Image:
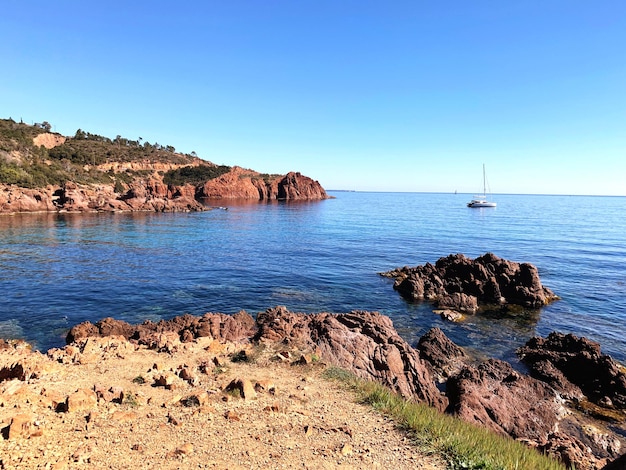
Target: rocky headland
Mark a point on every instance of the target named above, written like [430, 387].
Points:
[42, 171]
[153, 195]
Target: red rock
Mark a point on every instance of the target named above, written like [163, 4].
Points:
[82, 400]
[443, 357]
[364, 343]
[494, 395]
[574, 366]
[462, 283]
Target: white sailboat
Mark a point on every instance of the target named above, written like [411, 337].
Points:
[481, 200]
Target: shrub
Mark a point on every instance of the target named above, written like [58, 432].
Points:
[194, 174]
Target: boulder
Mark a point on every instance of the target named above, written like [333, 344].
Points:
[441, 355]
[494, 395]
[83, 399]
[574, 366]
[364, 343]
[465, 284]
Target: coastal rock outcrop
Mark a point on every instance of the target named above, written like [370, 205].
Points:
[575, 367]
[460, 283]
[490, 393]
[494, 395]
[153, 195]
[365, 343]
[240, 183]
[238, 327]
[442, 356]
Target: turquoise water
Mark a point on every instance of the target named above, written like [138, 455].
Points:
[59, 270]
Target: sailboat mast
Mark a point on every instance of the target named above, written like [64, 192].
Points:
[484, 182]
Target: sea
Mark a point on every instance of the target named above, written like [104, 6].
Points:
[58, 270]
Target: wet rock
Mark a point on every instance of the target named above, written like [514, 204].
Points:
[574, 366]
[464, 284]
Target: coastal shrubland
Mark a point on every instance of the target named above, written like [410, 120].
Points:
[194, 174]
[86, 158]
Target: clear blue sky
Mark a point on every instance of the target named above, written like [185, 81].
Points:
[362, 95]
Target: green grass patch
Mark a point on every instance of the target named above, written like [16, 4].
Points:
[462, 445]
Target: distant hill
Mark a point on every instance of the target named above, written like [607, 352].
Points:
[33, 157]
[42, 170]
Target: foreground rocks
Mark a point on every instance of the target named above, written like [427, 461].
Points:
[534, 410]
[364, 343]
[465, 285]
[576, 368]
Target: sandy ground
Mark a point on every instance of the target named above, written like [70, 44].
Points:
[190, 406]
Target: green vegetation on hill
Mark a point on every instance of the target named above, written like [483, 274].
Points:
[194, 174]
[24, 164]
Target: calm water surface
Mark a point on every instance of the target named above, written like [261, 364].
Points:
[59, 270]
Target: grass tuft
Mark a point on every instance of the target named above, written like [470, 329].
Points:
[462, 445]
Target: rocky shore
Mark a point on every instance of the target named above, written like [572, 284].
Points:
[153, 195]
[117, 383]
[571, 412]
[206, 403]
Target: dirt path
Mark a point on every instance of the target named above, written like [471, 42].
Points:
[175, 410]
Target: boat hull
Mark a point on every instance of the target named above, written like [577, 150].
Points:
[478, 204]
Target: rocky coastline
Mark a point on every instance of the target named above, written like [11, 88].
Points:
[564, 398]
[574, 413]
[153, 195]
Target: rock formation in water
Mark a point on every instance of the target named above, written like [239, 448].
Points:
[240, 183]
[462, 284]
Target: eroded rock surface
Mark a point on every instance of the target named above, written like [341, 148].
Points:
[238, 327]
[464, 284]
[442, 356]
[364, 343]
[575, 367]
